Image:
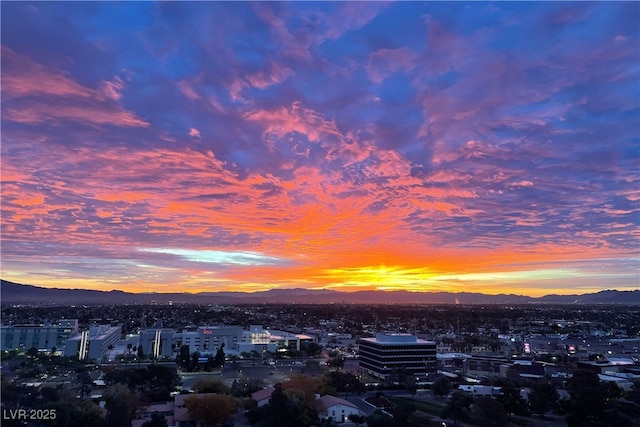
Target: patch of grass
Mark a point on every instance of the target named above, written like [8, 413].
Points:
[435, 409]
[429, 408]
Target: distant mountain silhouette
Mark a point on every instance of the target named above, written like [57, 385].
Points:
[14, 293]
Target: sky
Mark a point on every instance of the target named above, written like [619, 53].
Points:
[486, 147]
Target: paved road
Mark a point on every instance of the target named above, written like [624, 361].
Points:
[270, 374]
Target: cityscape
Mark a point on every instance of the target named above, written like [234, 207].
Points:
[324, 364]
[320, 214]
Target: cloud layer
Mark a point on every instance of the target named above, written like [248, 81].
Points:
[218, 146]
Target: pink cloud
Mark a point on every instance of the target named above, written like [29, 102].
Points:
[275, 75]
[352, 16]
[283, 121]
[290, 46]
[187, 89]
[112, 89]
[23, 77]
[523, 183]
[97, 114]
[58, 97]
[385, 62]
[193, 132]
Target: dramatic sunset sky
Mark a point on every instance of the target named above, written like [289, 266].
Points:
[426, 146]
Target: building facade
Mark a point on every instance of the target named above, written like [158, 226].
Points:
[93, 343]
[157, 343]
[208, 339]
[388, 354]
[42, 337]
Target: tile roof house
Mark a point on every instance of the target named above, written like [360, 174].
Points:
[262, 396]
[335, 408]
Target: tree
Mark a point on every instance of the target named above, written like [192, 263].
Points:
[154, 381]
[85, 383]
[71, 413]
[441, 386]
[183, 360]
[588, 400]
[121, 406]
[542, 397]
[156, 420]
[32, 353]
[458, 407]
[312, 349]
[218, 361]
[379, 418]
[158, 381]
[141, 354]
[357, 419]
[208, 366]
[344, 382]
[195, 356]
[512, 401]
[492, 411]
[336, 362]
[210, 385]
[211, 409]
[309, 386]
[286, 409]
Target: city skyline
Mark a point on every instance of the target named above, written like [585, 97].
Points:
[214, 146]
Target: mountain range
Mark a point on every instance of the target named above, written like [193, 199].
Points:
[14, 293]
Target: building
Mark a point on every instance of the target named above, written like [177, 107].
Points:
[263, 396]
[480, 390]
[42, 337]
[486, 366]
[290, 341]
[263, 340]
[257, 339]
[157, 343]
[144, 414]
[391, 353]
[335, 408]
[208, 339]
[94, 343]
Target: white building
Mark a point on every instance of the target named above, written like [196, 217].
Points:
[290, 341]
[480, 390]
[335, 408]
[257, 339]
[94, 343]
[42, 337]
[208, 339]
[157, 343]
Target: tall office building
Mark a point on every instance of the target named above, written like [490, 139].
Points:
[387, 354]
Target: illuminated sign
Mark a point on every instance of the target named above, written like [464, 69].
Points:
[207, 331]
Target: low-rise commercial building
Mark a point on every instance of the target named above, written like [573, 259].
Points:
[208, 339]
[93, 343]
[157, 343]
[42, 337]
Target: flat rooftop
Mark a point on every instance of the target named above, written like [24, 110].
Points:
[391, 339]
